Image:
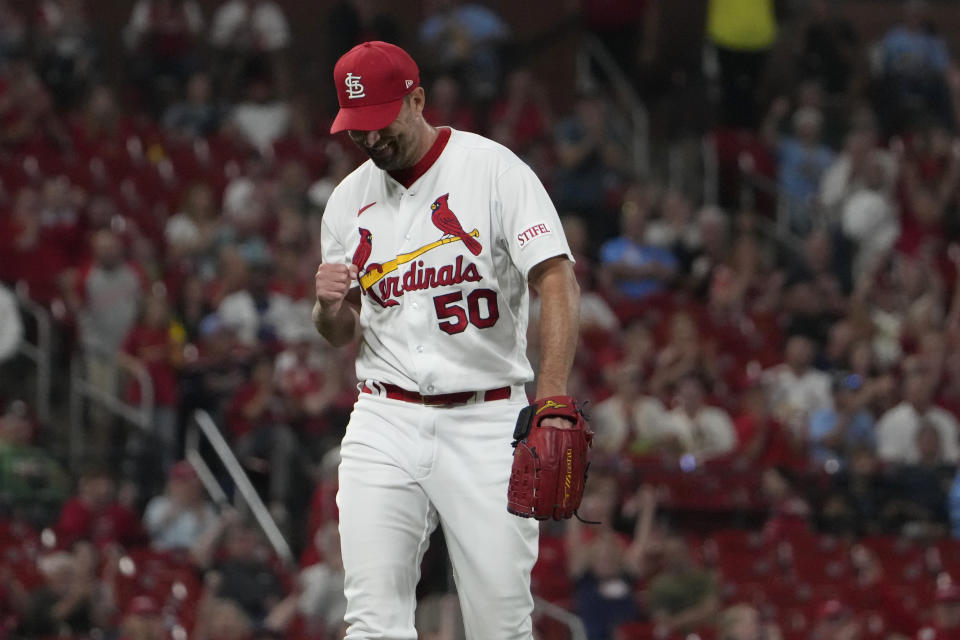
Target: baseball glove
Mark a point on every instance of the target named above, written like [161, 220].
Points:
[549, 463]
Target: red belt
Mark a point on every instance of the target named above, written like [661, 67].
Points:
[394, 392]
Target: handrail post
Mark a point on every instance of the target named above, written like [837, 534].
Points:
[208, 428]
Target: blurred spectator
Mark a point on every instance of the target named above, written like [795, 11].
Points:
[303, 144]
[143, 620]
[628, 421]
[673, 228]
[634, 269]
[191, 231]
[197, 115]
[742, 622]
[763, 441]
[523, 116]
[628, 29]
[913, 61]
[836, 621]
[95, 515]
[797, 389]
[790, 512]
[66, 50]
[848, 173]
[154, 343]
[682, 596]
[261, 118]
[685, 352]
[105, 302]
[803, 159]
[829, 54]
[697, 428]
[71, 598]
[446, 107]
[321, 599]
[307, 381]
[162, 37]
[220, 618]
[219, 367]
[742, 34]
[32, 483]
[28, 120]
[869, 218]
[897, 429]
[836, 431]
[262, 439]
[32, 254]
[238, 565]
[856, 496]
[591, 156]
[256, 313]
[605, 566]
[11, 325]
[465, 40]
[351, 22]
[249, 38]
[178, 518]
[946, 615]
[13, 31]
[713, 229]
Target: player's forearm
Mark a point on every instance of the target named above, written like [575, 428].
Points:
[338, 328]
[559, 324]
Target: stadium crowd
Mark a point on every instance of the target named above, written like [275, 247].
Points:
[773, 360]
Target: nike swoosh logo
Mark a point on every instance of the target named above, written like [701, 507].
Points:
[365, 207]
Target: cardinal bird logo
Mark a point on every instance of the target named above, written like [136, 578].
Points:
[362, 254]
[360, 257]
[446, 220]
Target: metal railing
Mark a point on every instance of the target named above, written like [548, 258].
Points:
[561, 615]
[592, 49]
[40, 353]
[202, 425]
[81, 389]
[750, 182]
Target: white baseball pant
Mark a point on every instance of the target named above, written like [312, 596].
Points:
[404, 468]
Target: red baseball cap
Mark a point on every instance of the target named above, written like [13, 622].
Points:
[182, 470]
[372, 80]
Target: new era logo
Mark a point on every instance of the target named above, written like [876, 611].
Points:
[354, 88]
[409, 83]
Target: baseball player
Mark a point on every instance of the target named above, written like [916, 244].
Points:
[428, 249]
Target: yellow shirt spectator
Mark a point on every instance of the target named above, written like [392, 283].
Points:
[742, 25]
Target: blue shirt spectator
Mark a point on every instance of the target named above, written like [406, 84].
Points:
[633, 268]
[911, 52]
[833, 432]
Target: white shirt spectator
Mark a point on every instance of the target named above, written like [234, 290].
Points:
[618, 426]
[179, 530]
[11, 325]
[239, 311]
[236, 21]
[143, 15]
[869, 219]
[261, 124]
[706, 434]
[794, 397]
[897, 429]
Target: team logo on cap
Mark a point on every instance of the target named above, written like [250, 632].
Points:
[354, 88]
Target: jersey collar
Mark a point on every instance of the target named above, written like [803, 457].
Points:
[408, 176]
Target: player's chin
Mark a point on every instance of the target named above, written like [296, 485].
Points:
[386, 158]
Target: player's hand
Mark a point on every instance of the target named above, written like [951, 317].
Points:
[332, 285]
[558, 423]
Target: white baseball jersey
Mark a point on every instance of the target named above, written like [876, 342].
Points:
[443, 265]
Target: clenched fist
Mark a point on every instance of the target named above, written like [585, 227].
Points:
[332, 285]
